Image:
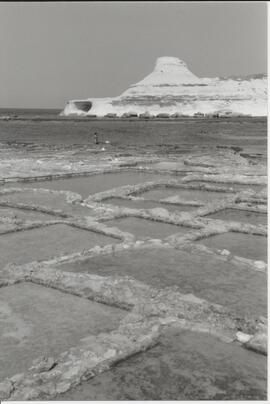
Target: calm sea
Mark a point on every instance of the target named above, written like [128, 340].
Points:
[29, 112]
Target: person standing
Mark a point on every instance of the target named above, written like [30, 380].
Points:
[96, 138]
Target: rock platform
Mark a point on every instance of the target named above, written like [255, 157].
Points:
[153, 309]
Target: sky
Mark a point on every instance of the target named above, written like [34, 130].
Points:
[51, 52]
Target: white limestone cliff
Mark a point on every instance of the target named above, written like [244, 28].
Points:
[172, 89]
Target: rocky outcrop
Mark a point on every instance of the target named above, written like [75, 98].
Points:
[173, 89]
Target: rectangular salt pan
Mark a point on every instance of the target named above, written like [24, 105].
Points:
[47, 242]
[166, 372]
[143, 228]
[49, 200]
[201, 274]
[92, 184]
[159, 193]
[243, 245]
[38, 321]
[243, 216]
[25, 214]
[236, 187]
[145, 204]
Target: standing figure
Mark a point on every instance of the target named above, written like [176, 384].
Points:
[96, 138]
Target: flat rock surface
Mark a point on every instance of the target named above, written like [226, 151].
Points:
[191, 267]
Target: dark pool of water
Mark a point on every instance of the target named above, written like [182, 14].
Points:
[243, 216]
[186, 194]
[37, 321]
[146, 204]
[244, 245]
[92, 184]
[183, 366]
[193, 272]
[44, 243]
[143, 228]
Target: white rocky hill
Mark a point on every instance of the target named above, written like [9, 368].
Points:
[173, 89]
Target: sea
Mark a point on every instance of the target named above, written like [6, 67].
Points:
[47, 127]
[29, 113]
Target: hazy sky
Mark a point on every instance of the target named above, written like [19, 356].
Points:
[53, 52]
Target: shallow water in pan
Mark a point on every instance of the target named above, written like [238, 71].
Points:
[243, 216]
[146, 204]
[48, 200]
[236, 187]
[186, 194]
[184, 365]
[244, 245]
[88, 185]
[143, 228]
[37, 321]
[195, 272]
[24, 214]
[47, 242]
